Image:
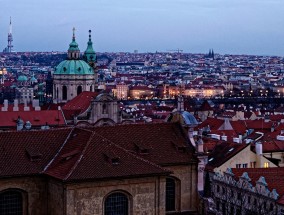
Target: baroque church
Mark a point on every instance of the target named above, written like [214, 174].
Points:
[126, 169]
[75, 83]
[74, 75]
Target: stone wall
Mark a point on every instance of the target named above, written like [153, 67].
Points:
[146, 195]
[188, 186]
[55, 198]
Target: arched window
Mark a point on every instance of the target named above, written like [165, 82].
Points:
[64, 93]
[91, 88]
[170, 194]
[116, 204]
[79, 90]
[11, 202]
[104, 108]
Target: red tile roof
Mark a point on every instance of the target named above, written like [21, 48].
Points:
[95, 152]
[205, 106]
[36, 118]
[214, 123]
[274, 178]
[16, 148]
[80, 103]
[223, 152]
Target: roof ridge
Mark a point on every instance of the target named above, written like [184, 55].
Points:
[35, 130]
[81, 156]
[133, 155]
[62, 146]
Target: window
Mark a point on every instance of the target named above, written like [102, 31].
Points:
[266, 165]
[11, 202]
[64, 93]
[249, 199]
[79, 90]
[245, 165]
[170, 194]
[252, 164]
[104, 108]
[271, 208]
[218, 188]
[238, 165]
[239, 196]
[116, 204]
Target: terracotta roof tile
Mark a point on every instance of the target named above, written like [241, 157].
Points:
[18, 148]
[36, 118]
[274, 178]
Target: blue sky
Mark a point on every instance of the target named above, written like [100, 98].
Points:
[228, 26]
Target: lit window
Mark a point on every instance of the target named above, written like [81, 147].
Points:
[266, 165]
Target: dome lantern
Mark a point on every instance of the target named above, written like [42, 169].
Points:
[73, 51]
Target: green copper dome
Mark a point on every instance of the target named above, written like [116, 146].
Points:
[73, 67]
[22, 78]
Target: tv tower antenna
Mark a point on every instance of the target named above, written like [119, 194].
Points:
[9, 48]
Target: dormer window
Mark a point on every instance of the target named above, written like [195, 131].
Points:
[115, 161]
[179, 147]
[111, 158]
[33, 154]
[142, 149]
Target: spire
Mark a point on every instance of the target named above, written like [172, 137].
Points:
[90, 36]
[73, 38]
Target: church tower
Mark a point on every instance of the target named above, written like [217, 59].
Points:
[91, 58]
[72, 76]
[9, 48]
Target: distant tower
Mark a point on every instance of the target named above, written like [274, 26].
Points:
[9, 48]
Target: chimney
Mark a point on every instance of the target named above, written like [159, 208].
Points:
[240, 138]
[272, 128]
[20, 124]
[224, 138]
[5, 107]
[26, 108]
[258, 148]
[200, 145]
[16, 106]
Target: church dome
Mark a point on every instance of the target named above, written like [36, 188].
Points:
[183, 117]
[73, 67]
[22, 78]
[189, 119]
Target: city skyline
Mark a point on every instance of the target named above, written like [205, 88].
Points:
[235, 27]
